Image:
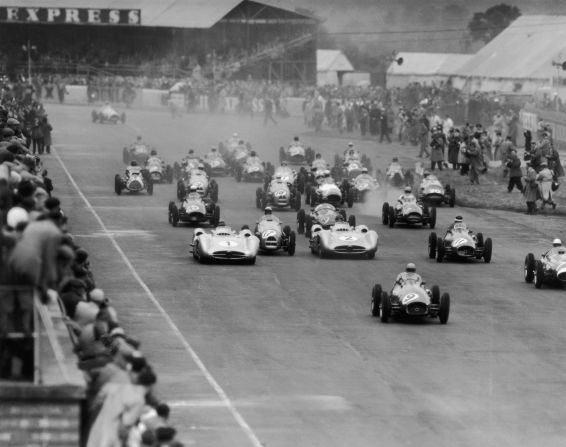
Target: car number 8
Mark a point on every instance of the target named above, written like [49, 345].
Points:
[268, 233]
[459, 242]
[193, 208]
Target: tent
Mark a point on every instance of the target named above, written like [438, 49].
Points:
[331, 66]
[520, 59]
[424, 68]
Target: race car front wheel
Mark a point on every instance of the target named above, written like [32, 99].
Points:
[529, 268]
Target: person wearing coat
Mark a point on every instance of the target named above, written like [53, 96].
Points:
[46, 129]
[454, 141]
[437, 150]
[513, 165]
[544, 179]
[531, 189]
[476, 164]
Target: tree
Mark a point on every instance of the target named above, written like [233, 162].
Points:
[484, 26]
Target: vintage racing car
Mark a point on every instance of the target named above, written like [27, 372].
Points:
[359, 187]
[432, 192]
[107, 114]
[343, 239]
[329, 193]
[251, 172]
[550, 268]
[296, 154]
[136, 152]
[279, 194]
[459, 243]
[411, 299]
[158, 171]
[410, 212]
[215, 165]
[324, 215]
[135, 180]
[198, 180]
[272, 236]
[225, 244]
[194, 210]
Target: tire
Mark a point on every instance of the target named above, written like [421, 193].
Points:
[432, 217]
[287, 230]
[391, 217]
[352, 220]
[371, 254]
[479, 238]
[214, 192]
[169, 174]
[297, 201]
[174, 215]
[539, 274]
[94, 116]
[529, 272]
[452, 199]
[149, 187]
[215, 216]
[375, 300]
[444, 308]
[301, 221]
[435, 295]
[343, 213]
[385, 213]
[308, 226]
[487, 250]
[440, 251]
[292, 243]
[432, 238]
[385, 313]
[181, 190]
[251, 261]
[118, 185]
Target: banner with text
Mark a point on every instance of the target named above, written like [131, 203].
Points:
[80, 16]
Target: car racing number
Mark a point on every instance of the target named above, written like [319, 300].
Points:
[459, 241]
[268, 233]
[348, 238]
[279, 193]
[192, 208]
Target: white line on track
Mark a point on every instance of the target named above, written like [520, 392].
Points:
[192, 353]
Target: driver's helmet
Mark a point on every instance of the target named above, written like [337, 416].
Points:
[241, 142]
[408, 190]
[200, 167]
[252, 154]
[339, 218]
[283, 163]
[153, 152]
[426, 174]
[556, 243]
[133, 163]
[235, 135]
[364, 170]
[317, 156]
[351, 152]
[395, 160]
[191, 151]
[268, 210]
[326, 173]
[458, 220]
[212, 149]
[296, 139]
[139, 138]
[411, 268]
[350, 144]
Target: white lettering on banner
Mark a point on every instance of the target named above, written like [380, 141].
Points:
[12, 13]
[53, 13]
[72, 16]
[32, 14]
[134, 17]
[94, 16]
[114, 16]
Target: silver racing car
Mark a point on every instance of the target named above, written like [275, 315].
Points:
[343, 239]
[225, 244]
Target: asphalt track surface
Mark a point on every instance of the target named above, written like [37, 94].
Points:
[286, 353]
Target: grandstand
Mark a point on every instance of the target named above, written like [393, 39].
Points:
[228, 39]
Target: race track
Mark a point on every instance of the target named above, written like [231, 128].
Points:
[286, 353]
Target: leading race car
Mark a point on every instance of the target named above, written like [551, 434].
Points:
[412, 299]
[194, 210]
[136, 180]
[343, 239]
[324, 215]
[459, 243]
[138, 152]
[272, 236]
[107, 114]
[279, 194]
[225, 244]
[549, 269]
[409, 212]
[432, 192]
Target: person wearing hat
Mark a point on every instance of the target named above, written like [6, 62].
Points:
[513, 167]
[318, 163]
[557, 248]
[530, 190]
[544, 179]
[409, 275]
[457, 225]
[405, 197]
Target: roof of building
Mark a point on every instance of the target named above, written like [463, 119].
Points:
[427, 64]
[332, 60]
[524, 50]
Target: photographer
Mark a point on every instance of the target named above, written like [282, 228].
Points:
[513, 165]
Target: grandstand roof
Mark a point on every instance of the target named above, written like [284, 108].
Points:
[160, 13]
[524, 50]
[332, 60]
[428, 64]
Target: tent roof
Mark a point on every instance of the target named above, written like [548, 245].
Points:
[525, 50]
[160, 13]
[332, 60]
[428, 63]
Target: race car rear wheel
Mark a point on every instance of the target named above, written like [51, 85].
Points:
[432, 245]
[214, 192]
[375, 300]
[301, 221]
[385, 213]
[432, 221]
[251, 261]
[174, 215]
[313, 197]
[118, 185]
[539, 274]
[479, 238]
[444, 308]
[391, 217]
[435, 295]
[440, 251]
[343, 212]
[385, 307]
[487, 249]
[452, 198]
[352, 220]
[529, 268]
[350, 198]
[292, 243]
[215, 216]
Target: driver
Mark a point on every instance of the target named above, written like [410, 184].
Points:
[557, 248]
[253, 159]
[394, 168]
[268, 211]
[234, 140]
[327, 177]
[193, 193]
[458, 221]
[133, 168]
[364, 175]
[138, 141]
[295, 143]
[406, 196]
[339, 218]
[409, 275]
[319, 177]
[351, 154]
[212, 153]
[318, 163]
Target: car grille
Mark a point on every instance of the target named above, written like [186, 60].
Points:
[413, 217]
[333, 199]
[271, 242]
[282, 201]
[350, 249]
[466, 251]
[195, 217]
[434, 197]
[135, 185]
[227, 254]
[156, 176]
[297, 159]
[417, 309]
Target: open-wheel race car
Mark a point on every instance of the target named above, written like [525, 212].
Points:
[397, 176]
[215, 165]
[459, 243]
[138, 152]
[359, 187]
[296, 154]
[432, 192]
[278, 194]
[410, 299]
[253, 170]
[289, 175]
[409, 212]
[136, 180]
[158, 171]
[343, 239]
[324, 215]
[194, 209]
[199, 181]
[273, 236]
[107, 114]
[329, 193]
[224, 244]
[549, 269]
